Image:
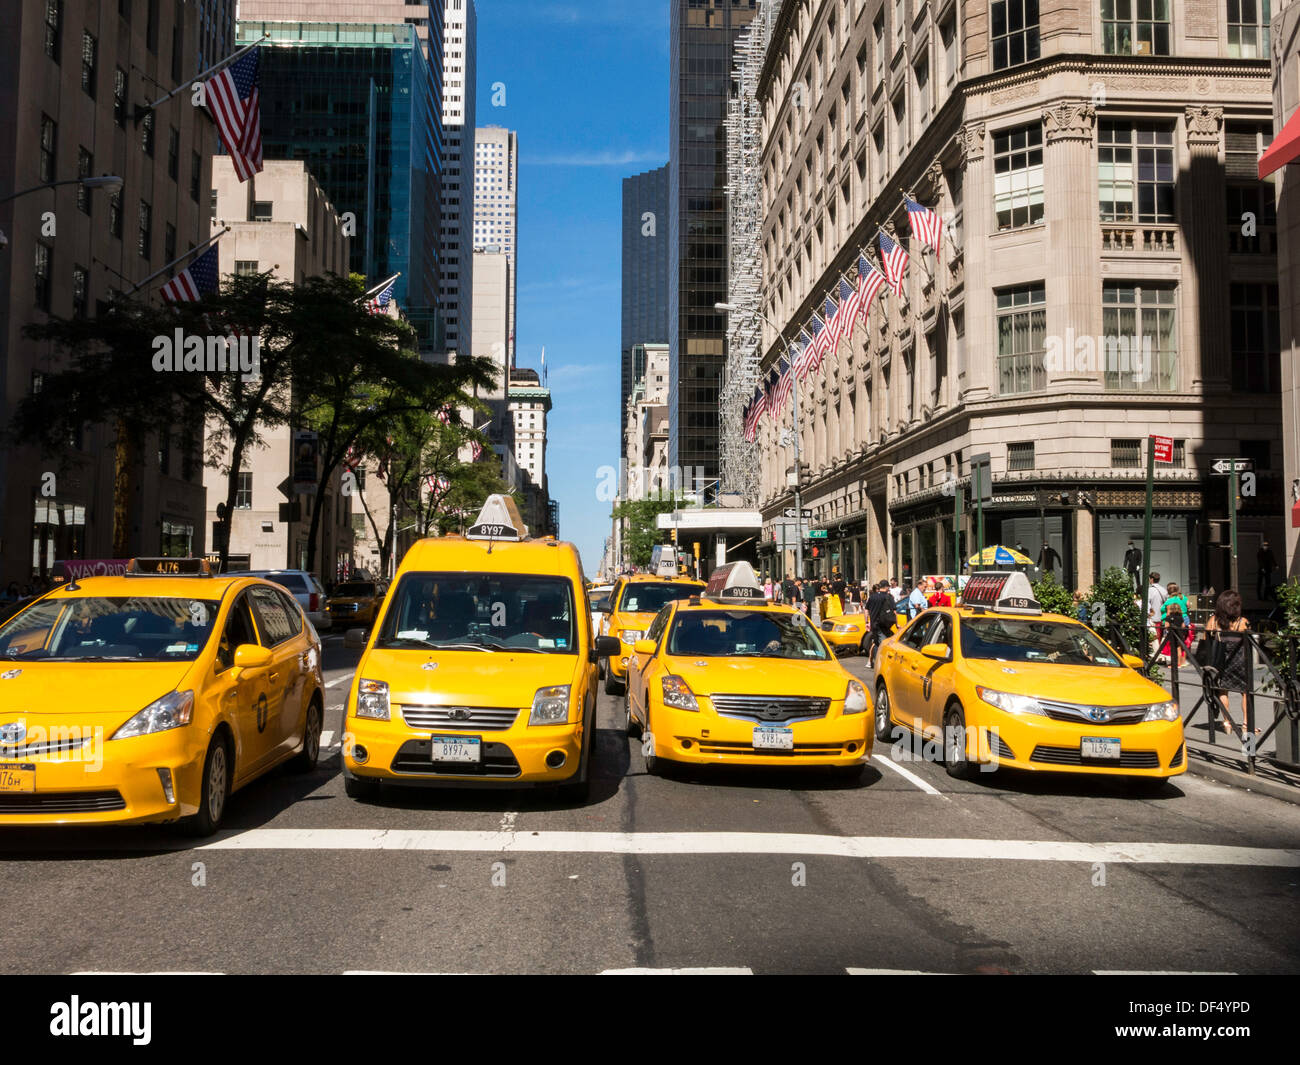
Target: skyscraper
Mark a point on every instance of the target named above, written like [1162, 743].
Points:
[460, 37]
[645, 270]
[702, 45]
[496, 215]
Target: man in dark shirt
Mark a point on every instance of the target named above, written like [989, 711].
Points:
[1265, 563]
[1133, 565]
[838, 585]
[1048, 559]
[880, 611]
[788, 590]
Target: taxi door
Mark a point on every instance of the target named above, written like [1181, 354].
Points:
[937, 679]
[644, 670]
[243, 698]
[281, 633]
[907, 670]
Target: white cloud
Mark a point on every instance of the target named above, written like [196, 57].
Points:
[627, 157]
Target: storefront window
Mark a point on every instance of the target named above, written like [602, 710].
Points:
[58, 534]
[177, 539]
[927, 542]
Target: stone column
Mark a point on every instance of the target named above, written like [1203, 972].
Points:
[1203, 291]
[1073, 245]
[977, 223]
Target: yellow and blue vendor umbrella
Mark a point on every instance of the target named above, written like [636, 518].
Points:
[1000, 556]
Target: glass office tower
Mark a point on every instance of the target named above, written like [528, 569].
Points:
[645, 271]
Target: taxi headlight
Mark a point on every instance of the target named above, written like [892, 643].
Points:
[1012, 704]
[855, 698]
[678, 694]
[630, 636]
[843, 628]
[372, 700]
[550, 706]
[1162, 712]
[171, 711]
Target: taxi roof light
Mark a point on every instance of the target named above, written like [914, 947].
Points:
[168, 567]
[498, 520]
[735, 582]
[1003, 593]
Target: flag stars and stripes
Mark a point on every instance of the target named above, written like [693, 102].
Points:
[895, 261]
[927, 226]
[232, 97]
[197, 280]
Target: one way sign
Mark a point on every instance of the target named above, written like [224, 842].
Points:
[1223, 467]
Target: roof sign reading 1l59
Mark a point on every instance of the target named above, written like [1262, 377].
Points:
[1007, 593]
[498, 520]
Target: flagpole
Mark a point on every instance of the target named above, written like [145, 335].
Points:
[929, 273]
[382, 285]
[140, 112]
[179, 258]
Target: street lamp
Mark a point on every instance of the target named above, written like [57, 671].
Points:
[793, 478]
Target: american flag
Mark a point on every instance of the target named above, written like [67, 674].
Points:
[475, 450]
[757, 407]
[927, 227]
[822, 339]
[771, 395]
[378, 304]
[784, 383]
[870, 281]
[816, 327]
[444, 415]
[895, 260]
[830, 338]
[438, 484]
[850, 307]
[232, 99]
[197, 280]
[806, 359]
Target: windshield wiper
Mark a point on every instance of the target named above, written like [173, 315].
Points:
[396, 640]
[462, 647]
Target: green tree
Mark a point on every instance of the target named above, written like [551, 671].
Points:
[641, 533]
[1054, 598]
[1114, 594]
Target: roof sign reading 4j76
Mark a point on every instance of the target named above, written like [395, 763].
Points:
[1164, 448]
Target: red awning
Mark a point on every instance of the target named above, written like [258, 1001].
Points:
[1284, 149]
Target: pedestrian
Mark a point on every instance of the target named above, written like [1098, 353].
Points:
[767, 589]
[1080, 606]
[881, 618]
[1133, 564]
[895, 589]
[788, 590]
[1265, 563]
[1048, 559]
[1228, 655]
[11, 592]
[916, 602]
[838, 584]
[809, 597]
[939, 596]
[1156, 596]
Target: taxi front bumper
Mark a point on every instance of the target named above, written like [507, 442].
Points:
[701, 737]
[842, 643]
[1039, 744]
[111, 781]
[396, 752]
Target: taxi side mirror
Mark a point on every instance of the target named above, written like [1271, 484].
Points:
[601, 607]
[939, 651]
[644, 647]
[355, 639]
[1132, 661]
[608, 645]
[252, 658]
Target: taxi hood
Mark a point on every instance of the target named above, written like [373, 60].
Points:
[468, 678]
[107, 693]
[1102, 685]
[763, 676]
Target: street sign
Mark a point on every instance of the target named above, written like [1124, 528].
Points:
[1223, 467]
[794, 515]
[981, 469]
[816, 534]
[1164, 448]
[286, 489]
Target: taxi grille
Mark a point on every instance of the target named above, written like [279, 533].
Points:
[413, 758]
[62, 802]
[770, 708]
[481, 718]
[1075, 714]
[999, 746]
[9, 754]
[827, 750]
[1071, 756]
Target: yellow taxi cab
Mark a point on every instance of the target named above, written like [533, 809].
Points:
[634, 602]
[729, 678]
[153, 696]
[846, 634]
[1000, 683]
[354, 603]
[481, 669]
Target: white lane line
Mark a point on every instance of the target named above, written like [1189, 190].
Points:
[395, 972]
[720, 971]
[1159, 972]
[907, 774]
[113, 972]
[688, 843]
[326, 738]
[892, 972]
[337, 681]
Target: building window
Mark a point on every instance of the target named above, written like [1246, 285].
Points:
[89, 63]
[1126, 454]
[173, 153]
[244, 493]
[49, 148]
[146, 134]
[80, 291]
[177, 539]
[151, 26]
[212, 200]
[1018, 176]
[169, 243]
[44, 260]
[196, 175]
[1135, 27]
[1020, 456]
[1256, 343]
[878, 42]
[1022, 329]
[1015, 32]
[85, 166]
[1251, 203]
[1136, 172]
[53, 28]
[1139, 337]
[244, 267]
[144, 232]
[948, 36]
[261, 210]
[119, 97]
[900, 124]
[1248, 28]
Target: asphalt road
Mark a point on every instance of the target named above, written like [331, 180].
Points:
[761, 872]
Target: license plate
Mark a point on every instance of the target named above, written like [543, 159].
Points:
[17, 776]
[456, 749]
[769, 738]
[1099, 747]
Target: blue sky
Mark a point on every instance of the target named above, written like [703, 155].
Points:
[587, 92]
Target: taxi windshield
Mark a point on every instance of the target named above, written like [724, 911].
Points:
[1033, 640]
[744, 633]
[595, 595]
[353, 591]
[110, 628]
[648, 598]
[481, 612]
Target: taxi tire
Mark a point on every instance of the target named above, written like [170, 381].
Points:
[885, 728]
[613, 686]
[305, 760]
[204, 823]
[959, 768]
[631, 725]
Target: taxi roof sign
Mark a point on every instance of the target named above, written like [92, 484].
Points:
[735, 581]
[498, 520]
[168, 567]
[1006, 593]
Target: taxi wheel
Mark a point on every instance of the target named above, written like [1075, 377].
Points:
[630, 724]
[955, 761]
[215, 792]
[305, 760]
[613, 686]
[884, 727]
